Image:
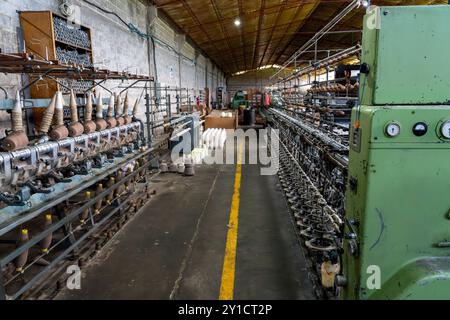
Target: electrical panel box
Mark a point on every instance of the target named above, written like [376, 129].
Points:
[403, 47]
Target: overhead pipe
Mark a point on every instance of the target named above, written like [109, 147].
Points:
[17, 139]
[319, 35]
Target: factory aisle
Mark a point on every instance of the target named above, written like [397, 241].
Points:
[175, 247]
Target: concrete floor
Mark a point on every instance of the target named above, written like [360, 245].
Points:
[174, 249]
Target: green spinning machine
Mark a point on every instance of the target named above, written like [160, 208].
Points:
[397, 235]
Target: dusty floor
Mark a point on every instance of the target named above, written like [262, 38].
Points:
[175, 247]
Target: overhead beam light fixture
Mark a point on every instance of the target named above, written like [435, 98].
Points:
[237, 22]
[365, 3]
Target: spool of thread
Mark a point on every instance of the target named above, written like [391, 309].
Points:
[22, 258]
[16, 115]
[110, 113]
[73, 107]
[89, 108]
[48, 116]
[119, 111]
[126, 111]
[89, 125]
[98, 205]
[47, 241]
[75, 128]
[100, 123]
[85, 213]
[99, 108]
[59, 109]
[118, 191]
[163, 167]
[60, 131]
[173, 168]
[189, 170]
[14, 141]
[110, 197]
[136, 108]
[17, 139]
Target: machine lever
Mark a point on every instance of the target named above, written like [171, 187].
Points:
[35, 189]
[59, 178]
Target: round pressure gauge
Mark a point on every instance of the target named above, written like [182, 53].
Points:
[420, 129]
[392, 129]
[445, 129]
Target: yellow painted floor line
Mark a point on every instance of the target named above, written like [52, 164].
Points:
[229, 263]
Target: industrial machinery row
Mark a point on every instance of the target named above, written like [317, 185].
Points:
[65, 191]
[74, 165]
[369, 194]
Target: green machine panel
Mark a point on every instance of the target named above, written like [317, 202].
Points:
[407, 50]
[397, 233]
[399, 200]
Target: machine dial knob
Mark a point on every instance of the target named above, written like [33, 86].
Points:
[420, 129]
[392, 129]
[445, 129]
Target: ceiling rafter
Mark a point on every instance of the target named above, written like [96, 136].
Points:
[271, 30]
[251, 13]
[241, 36]
[280, 11]
[311, 17]
[308, 16]
[258, 35]
[263, 44]
[280, 26]
[194, 17]
[219, 16]
[289, 25]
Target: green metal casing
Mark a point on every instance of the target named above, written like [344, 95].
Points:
[398, 201]
[407, 51]
[239, 100]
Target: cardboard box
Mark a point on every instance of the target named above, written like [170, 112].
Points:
[215, 120]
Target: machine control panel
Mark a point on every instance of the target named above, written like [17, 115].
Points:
[410, 125]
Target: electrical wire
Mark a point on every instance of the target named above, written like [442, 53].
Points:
[133, 29]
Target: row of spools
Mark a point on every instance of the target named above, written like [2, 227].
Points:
[214, 139]
[45, 244]
[185, 167]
